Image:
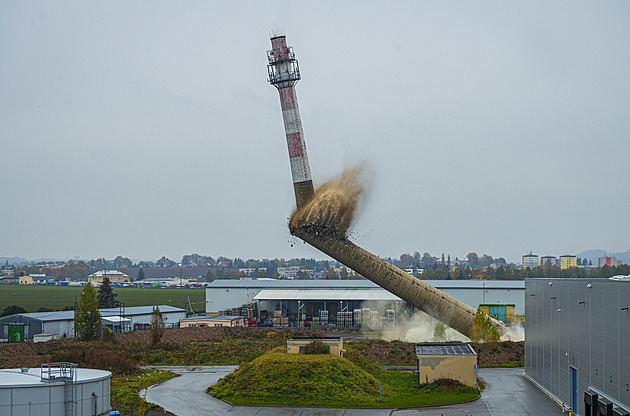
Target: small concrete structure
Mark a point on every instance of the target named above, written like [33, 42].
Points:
[296, 345]
[218, 320]
[452, 361]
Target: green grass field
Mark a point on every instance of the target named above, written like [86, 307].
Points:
[34, 297]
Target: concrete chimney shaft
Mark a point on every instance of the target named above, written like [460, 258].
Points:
[284, 73]
[423, 296]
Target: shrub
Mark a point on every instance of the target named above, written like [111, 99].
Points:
[94, 356]
[317, 347]
[483, 329]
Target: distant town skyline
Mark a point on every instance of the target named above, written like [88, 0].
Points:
[146, 129]
[591, 255]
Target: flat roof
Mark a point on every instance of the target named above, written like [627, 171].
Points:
[585, 280]
[129, 311]
[326, 294]
[14, 377]
[357, 284]
[214, 317]
[115, 319]
[444, 349]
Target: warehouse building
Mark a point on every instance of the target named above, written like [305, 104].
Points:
[348, 303]
[577, 334]
[22, 326]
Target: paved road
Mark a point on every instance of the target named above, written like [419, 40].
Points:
[506, 393]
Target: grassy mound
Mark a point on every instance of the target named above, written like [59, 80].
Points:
[281, 379]
[277, 378]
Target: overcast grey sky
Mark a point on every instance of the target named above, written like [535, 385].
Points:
[145, 129]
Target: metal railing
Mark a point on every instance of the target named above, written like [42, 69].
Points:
[51, 372]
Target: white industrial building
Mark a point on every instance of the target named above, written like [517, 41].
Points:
[305, 300]
[23, 326]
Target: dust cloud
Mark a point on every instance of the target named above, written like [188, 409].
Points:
[330, 212]
[419, 327]
[515, 332]
[333, 204]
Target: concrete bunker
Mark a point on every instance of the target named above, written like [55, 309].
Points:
[451, 361]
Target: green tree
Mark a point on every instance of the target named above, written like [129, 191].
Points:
[427, 260]
[120, 261]
[87, 318]
[209, 276]
[473, 260]
[407, 261]
[12, 310]
[343, 274]
[303, 275]
[483, 329]
[439, 332]
[331, 274]
[140, 274]
[486, 260]
[317, 347]
[416, 260]
[157, 325]
[106, 296]
[165, 262]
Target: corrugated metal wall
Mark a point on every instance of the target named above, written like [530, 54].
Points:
[31, 326]
[581, 324]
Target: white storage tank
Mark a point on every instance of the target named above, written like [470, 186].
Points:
[56, 389]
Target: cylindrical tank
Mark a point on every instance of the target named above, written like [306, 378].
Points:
[28, 392]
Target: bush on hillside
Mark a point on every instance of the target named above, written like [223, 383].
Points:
[317, 347]
[277, 378]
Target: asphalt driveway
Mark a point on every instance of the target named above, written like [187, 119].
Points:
[506, 393]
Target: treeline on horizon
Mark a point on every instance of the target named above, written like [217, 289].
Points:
[424, 266]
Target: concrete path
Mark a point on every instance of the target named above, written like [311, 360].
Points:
[506, 393]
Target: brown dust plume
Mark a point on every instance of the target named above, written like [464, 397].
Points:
[333, 205]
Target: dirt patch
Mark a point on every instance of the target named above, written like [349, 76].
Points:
[387, 352]
[496, 354]
[178, 346]
[217, 346]
[490, 354]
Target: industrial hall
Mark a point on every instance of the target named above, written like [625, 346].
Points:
[348, 304]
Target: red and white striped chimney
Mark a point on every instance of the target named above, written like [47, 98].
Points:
[284, 73]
